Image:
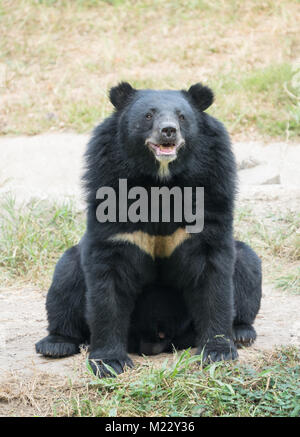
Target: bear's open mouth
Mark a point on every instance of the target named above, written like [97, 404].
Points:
[165, 149]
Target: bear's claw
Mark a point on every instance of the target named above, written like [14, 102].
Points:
[243, 335]
[99, 368]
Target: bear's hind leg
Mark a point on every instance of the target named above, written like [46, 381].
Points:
[65, 308]
[57, 346]
[247, 280]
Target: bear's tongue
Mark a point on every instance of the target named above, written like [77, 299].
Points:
[165, 150]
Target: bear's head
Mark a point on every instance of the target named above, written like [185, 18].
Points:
[159, 127]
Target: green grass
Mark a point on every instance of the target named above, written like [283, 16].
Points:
[258, 97]
[274, 234]
[268, 387]
[275, 237]
[289, 281]
[33, 237]
[84, 116]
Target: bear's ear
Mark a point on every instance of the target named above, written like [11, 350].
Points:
[202, 96]
[120, 94]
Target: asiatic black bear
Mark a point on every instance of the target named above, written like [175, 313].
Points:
[155, 139]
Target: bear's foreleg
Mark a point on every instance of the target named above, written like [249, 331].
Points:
[210, 302]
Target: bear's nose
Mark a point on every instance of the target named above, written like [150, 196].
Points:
[168, 132]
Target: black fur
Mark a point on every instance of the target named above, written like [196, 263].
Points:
[202, 96]
[92, 299]
[247, 281]
[160, 321]
[120, 95]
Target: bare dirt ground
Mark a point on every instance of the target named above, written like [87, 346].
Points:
[269, 177]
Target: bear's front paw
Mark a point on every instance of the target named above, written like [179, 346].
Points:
[100, 369]
[223, 350]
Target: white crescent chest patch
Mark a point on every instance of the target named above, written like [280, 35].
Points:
[161, 246]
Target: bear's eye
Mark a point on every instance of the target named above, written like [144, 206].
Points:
[149, 116]
[181, 117]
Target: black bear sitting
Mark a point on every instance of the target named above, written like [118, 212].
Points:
[155, 139]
